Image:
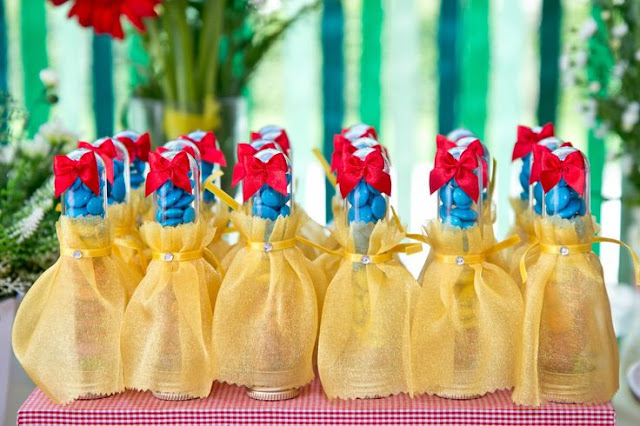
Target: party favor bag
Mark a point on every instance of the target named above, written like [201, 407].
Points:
[468, 316]
[569, 351]
[328, 262]
[166, 335]
[266, 316]
[127, 244]
[220, 221]
[364, 343]
[67, 330]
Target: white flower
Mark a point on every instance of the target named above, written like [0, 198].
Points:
[637, 55]
[568, 78]
[588, 110]
[54, 132]
[49, 78]
[35, 147]
[589, 28]
[620, 68]
[564, 61]
[605, 14]
[601, 131]
[581, 58]
[266, 7]
[7, 154]
[27, 226]
[620, 30]
[626, 164]
[630, 116]
[618, 2]
[595, 86]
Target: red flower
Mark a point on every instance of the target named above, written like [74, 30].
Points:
[104, 15]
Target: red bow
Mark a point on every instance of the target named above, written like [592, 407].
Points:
[139, 148]
[552, 170]
[245, 150]
[186, 148]
[209, 150]
[370, 132]
[534, 176]
[272, 173]
[341, 147]
[106, 151]
[282, 139]
[463, 171]
[443, 143]
[527, 139]
[162, 170]
[66, 172]
[371, 169]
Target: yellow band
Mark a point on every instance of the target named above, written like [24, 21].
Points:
[86, 253]
[124, 242]
[274, 246]
[219, 192]
[178, 257]
[326, 167]
[471, 259]
[179, 122]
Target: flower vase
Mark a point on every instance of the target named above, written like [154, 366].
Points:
[234, 128]
[147, 115]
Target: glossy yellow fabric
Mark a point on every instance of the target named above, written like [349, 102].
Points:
[266, 314]
[220, 221]
[468, 318]
[364, 343]
[327, 262]
[166, 335]
[66, 333]
[523, 227]
[127, 244]
[569, 351]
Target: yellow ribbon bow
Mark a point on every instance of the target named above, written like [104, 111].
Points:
[184, 256]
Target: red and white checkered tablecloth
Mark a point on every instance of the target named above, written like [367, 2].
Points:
[228, 405]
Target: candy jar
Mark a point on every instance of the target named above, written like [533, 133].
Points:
[275, 134]
[212, 159]
[172, 309]
[459, 133]
[358, 131]
[115, 156]
[176, 204]
[535, 188]
[66, 333]
[266, 343]
[138, 147]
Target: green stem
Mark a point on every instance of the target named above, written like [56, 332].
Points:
[167, 77]
[210, 44]
[180, 39]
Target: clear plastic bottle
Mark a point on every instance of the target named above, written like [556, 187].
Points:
[118, 191]
[564, 201]
[365, 203]
[535, 188]
[79, 200]
[267, 202]
[138, 168]
[186, 146]
[459, 133]
[360, 130]
[173, 205]
[455, 206]
[212, 160]
[275, 134]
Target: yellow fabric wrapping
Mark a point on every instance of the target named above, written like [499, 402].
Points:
[569, 351]
[66, 333]
[127, 244]
[328, 262]
[231, 254]
[178, 122]
[266, 315]
[166, 335]
[364, 343]
[312, 231]
[468, 317]
[523, 227]
[220, 221]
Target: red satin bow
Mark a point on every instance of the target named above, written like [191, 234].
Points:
[443, 143]
[371, 169]
[245, 150]
[186, 148]
[534, 175]
[282, 139]
[527, 139]
[106, 151]
[66, 172]
[272, 173]
[139, 148]
[162, 170]
[370, 132]
[572, 169]
[209, 149]
[341, 147]
[463, 171]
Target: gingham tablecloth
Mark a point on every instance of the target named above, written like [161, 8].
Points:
[228, 405]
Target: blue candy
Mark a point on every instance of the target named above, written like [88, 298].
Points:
[538, 208]
[359, 196]
[165, 188]
[571, 210]
[524, 179]
[444, 211]
[77, 212]
[467, 224]
[465, 214]
[208, 197]
[453, 183]
[171, 222]
[378, 207]
[452, 220]
[118, 167]
[78, 198]
[446, 195]
[171, 198]
[557, 199]
[77, 184]
[139, 166]
[372, 190]
[271, 197]
[207, 169]
[461, 199]
[264, 212]
[364, 214]
[119, 190]
[184, 201]
[95, 206]
[285, 210]
[172, 213]
[136, 181]
[189, 215]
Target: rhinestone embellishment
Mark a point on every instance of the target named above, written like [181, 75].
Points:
[168, 257]
[77, 254]
[268, 247]
[459, 260]
[564, 250]
[365, 260]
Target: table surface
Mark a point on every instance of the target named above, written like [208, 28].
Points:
[229, 405]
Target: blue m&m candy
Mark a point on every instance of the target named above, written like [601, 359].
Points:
[80, 201]
[456, 206]
[174, 206]
[269, 203]
[366, 204]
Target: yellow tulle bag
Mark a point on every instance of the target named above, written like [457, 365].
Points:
[468, 316]
[328, 262]
[220, 221]
[127, 244]
[312, 231]
[166, 335]
[364, 343]
[523, 228]
[569, 351]
[66, 333]
[266, 314]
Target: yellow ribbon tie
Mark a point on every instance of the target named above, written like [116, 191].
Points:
[569, 249]
[121, 241]
[212, 259]
[219, 192]
[179, 256]
[271, 246]
[86, 253]
[326, 167]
